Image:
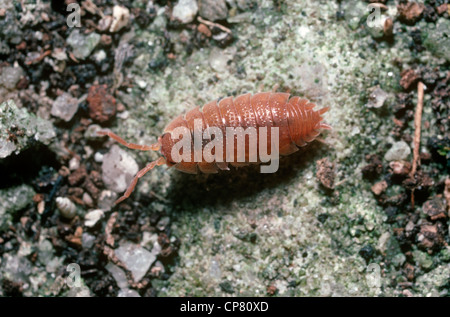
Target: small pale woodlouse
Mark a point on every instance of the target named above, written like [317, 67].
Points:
[295, 118]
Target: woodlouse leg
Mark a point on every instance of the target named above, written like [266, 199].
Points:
[325, 126]
[112, 135]
[323, 110]
[142, 172]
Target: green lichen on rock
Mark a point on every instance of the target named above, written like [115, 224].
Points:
[12, 200]
[435, 282]
[424, 260]
[437, 38]
[19, 129]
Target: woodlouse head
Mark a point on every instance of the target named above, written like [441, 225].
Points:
[167, 144]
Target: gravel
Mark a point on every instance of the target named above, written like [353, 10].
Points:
[399, 151]
[118, 169]
[65, 107]
[137, 259]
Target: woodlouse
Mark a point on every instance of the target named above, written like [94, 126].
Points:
[297, 123]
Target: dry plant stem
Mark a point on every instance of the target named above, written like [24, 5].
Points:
[40, 58]
[417, 130]
[109, 252]
[212, 24]
[417, 127]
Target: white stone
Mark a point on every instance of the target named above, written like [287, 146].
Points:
[398, 152]
[128, 293]
[218, 60]
[121, 17]
[118, 274]
[65, 107]
[10, 76]
[137, 259]
[92, 217]
[377, 98]
[6, 148]
[98, 157]
[74, 163]
[118, 169]
[100, 56]
[185, 11]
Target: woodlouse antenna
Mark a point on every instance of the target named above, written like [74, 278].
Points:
[112, 135]
[160, 161]
[142, 172]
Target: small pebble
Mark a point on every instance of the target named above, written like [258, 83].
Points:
[87, 199]
[388, 27]
[204, 29]
[102, 105]
[443, 8]
[74, 163]
[121, 17]
[213, 10]
[185, 11]
[410, 12]
[82, 45]
[137, 259]
[118, 274]
[435, 209]
[106, 40]
[379, 188]
[162, 223]
[218, 60]
[377, 97]
[105, 23]
[100, 56]
[118, 169]
[65, 107]
[92, 217]
[106, 200]
[400, 167]
[398, 152]
[325, 173]
[126, 292]
[87, 240]
[98, 157]
[10, 76]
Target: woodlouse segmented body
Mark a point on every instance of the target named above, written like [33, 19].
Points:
[294, 117]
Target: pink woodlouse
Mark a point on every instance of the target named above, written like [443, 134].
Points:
[295, 118]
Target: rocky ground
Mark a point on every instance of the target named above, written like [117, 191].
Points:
[357, 213]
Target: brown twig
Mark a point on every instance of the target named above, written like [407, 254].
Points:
[417, 127]
[109, 252]
[39, 58]
[417, 130]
